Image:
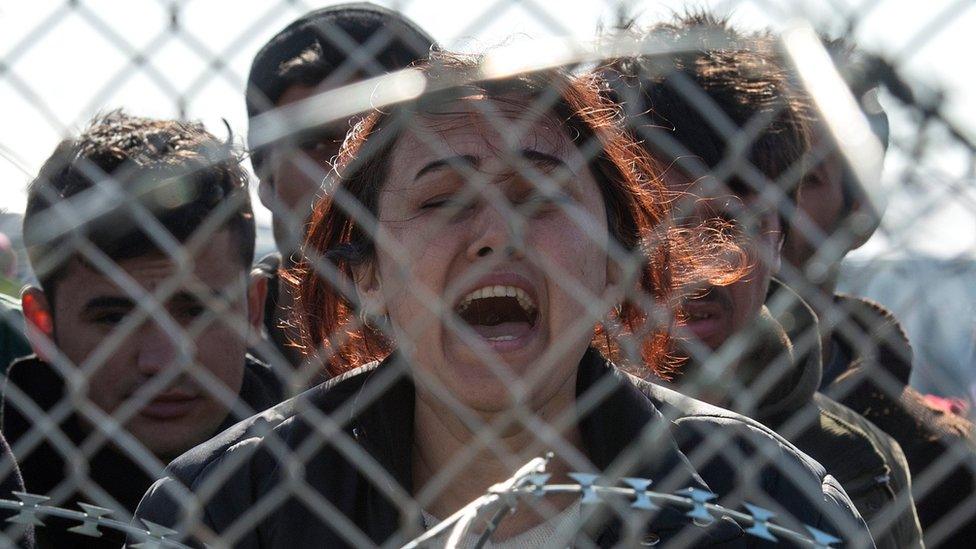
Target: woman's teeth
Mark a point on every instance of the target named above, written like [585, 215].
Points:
[524, 301]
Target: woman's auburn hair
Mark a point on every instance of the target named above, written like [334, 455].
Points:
[638, 205]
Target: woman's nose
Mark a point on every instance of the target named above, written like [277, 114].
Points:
[493, 233]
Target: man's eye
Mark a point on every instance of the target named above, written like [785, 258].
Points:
[321, 144]
[109, 318]
[316, 146]
[192, 311]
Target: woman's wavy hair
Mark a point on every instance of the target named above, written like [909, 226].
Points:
[637, 206]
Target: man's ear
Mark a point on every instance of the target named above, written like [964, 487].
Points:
[861, 220]
[266, 192]
[777, 260]
[40, 320]
[257, 295]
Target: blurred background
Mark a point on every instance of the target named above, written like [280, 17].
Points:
[63, 61]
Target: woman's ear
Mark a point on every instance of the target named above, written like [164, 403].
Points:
[40, 320]
[368, 288]
[615, 280]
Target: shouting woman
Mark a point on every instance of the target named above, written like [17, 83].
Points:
[479, 260]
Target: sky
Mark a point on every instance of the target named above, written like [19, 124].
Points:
[59, 65]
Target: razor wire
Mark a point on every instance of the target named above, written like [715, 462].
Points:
[920, 128]
[532, 481]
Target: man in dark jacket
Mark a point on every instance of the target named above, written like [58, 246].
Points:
[142, 317]
[740, 356]
[308, 57]
[332, 467]
[867, 356]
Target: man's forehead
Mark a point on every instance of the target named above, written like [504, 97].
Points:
[299, 92]
[215, 265]
[148, 271]
[708, 195]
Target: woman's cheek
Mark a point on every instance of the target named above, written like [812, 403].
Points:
[576, 253]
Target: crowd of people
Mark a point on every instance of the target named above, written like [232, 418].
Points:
[629, 267]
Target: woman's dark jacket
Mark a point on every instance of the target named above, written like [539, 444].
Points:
[354, 434]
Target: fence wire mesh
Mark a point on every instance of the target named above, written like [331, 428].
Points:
[605, 283]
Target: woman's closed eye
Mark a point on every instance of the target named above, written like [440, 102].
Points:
[449, 205]
[542, 201]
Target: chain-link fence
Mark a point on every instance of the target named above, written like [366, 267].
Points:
[600, 280]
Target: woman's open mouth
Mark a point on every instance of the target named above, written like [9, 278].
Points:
[499, 313]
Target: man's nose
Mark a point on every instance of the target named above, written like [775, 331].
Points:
[157, 351]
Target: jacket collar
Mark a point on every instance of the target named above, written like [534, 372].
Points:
[623, 416]
[893, 352]
[786, 344]
[794, 337]
[619, 414]
[614, 413]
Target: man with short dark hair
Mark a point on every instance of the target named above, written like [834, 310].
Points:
[323, 50]
[732, 128]
[141, 234]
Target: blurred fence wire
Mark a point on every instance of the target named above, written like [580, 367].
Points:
[488, 285]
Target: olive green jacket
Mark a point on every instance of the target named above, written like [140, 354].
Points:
[776, 381]
[870, 366]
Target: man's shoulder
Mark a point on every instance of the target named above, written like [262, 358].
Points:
[30, 385]
[697, 419]
[852, 422]
[283, 422]
[849, 446]
[874, 320]
[869, 312]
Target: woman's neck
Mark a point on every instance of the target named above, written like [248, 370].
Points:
[452, 466]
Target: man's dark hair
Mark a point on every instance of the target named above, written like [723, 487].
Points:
[121, 176]
[325, 41]
[674, 101]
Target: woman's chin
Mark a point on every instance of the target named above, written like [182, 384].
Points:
[483, 376]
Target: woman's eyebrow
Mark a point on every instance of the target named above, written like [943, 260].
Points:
[543, 160]
[466, 160]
